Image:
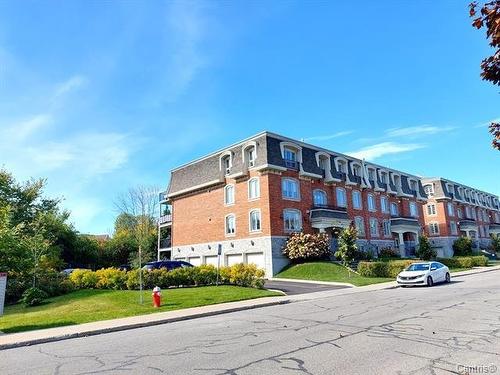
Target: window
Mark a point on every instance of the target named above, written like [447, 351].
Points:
[413, 185]
[474, 216]
[371, 174]
[459, 213]
[356, 170]
[324, 163]
[250, 154]
[360, 226]
[373, 227]
[290, 156]
[290, 189]
[451, 209]
[467, 212]
[371, 202]
[230, 225]
[431, 209]
[413, 209]
[387, 228]
[434, 228]
[229, 195]
[319, 198]
[341, 166]
[453, 228]
[383, 177]
[226, 164]
[384, 204]
[341, 197]
[255, 221]
[356, 200]
[429, 190]
[253, 188]
[394, 209]
[292, 220]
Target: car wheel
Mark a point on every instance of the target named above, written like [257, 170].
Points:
[447, 278]
[430, 282]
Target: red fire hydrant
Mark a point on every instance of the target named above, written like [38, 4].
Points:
[156, 296]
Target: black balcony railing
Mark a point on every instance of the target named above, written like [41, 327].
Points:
[165, 243]
[328, 207]
[291, 164]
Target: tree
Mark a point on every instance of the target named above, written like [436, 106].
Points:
[347, 247]
[489, 18]
[425, 251]
[140, 203]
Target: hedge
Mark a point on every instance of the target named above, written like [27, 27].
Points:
[392, 268]
[112, 278]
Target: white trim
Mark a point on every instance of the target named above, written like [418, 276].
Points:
[338, 188]
[341, 158]
[226, 227]
[360, 200]
[270, 166]
[322, 191]
[222, 156]
[286, 230]
[258, 189]
[283, 179]
[374, 208]
[250, 230]
[248, 145]
[225, 195]
[292, 145]
[308, 174]
[197, 187]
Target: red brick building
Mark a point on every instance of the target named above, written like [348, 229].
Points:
[247, 198]
[455, 210]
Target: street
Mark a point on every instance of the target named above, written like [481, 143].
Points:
[444, 329]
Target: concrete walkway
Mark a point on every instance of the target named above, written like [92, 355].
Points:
[87, 329]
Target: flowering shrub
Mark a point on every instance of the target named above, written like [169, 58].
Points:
[303, 247]
[111, 278]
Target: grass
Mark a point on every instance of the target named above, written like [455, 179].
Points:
[90, 305]
[327, 271]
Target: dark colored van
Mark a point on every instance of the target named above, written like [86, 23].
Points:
[168, 264]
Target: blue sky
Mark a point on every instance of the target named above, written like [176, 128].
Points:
[100, 96]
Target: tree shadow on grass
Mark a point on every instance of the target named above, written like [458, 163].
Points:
[32, 327]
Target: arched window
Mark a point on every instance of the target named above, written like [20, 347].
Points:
[394, 209]
[319, 198]
[384, 204]
[356, 200]
[371, 203]
[254, 220]
[226, 162]
[356, 169]
[341, 165]
[429, 190]
[230, 224]
[290, 189]
[253, 188]
[341, 197]
[229, 194]
[249, 153]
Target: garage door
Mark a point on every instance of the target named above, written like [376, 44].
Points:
[257, 259]
[195, 261]
[211, 259]
[233, 259]
[181, 258]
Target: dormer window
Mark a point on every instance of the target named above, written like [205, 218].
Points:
[291, 154]
[342, 166]
[226, 162]
[249, 151]
[251, 156]
[371, 174]
[397, 181]
[356, 170]
[429, 190]
[383, 177]
[324, 163]
[413, 185]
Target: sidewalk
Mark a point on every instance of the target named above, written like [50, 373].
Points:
[14, 340]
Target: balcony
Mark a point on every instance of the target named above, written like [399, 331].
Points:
[165, 219]
[162, 197]
[324, 216]
[291, 164]
[165, 243]
[467, 224]
[404, 224]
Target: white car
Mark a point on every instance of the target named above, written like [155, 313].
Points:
[424, 273]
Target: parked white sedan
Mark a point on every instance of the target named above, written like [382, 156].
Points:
[424, 273]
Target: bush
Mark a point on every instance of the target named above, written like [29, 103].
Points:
[83, 279]
[383, 269]
[495, 243]
[479, 261]
[458, 262]
[425, 251]
[33, 297]
[111, 278]
[347, 247]
[389, 252]
[305, 247]
[462, 246]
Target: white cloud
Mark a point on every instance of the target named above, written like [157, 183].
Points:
[25, 128]
[416, 131]
[71, 84]
[330, 136]
[486, 124]
[385, 148]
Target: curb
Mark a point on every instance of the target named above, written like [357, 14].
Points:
[312, 282]
[94, 332]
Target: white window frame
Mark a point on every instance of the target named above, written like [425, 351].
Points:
[413, 209]
[337, 190]
[384, 207]
[373, 172]
[323, 193]
[233, 189]
[449, 206]
[299, 220]
[372, 204]
[359, 206]
[384, 176]
[226, 225]
[222, 158]
[429, 192]
[453, 228]
[459, 213]
[434, 228]
[391, 205]
[431, 209]
[376, 233]
[386, 228]
[359, 221]
[342, 161]
[257, 181]
[297, 184]
[259, 229]
[356, 169]
[245, 153]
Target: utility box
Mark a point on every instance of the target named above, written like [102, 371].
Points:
[3, 287]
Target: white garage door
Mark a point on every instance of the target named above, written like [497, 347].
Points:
[257, 259]
[233, 259]
[211, 259]
[179, 259]
[195, 261]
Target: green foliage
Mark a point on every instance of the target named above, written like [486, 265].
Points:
[306, 247]
[465, 262]
[389, 252]
[111, 278]
[347, 247]
[383, 269]
[495, 243]
[425, 251]
[462, 246]
[33, 297]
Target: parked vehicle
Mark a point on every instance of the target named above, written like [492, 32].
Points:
[424, 273]
[168, 264]
[125, 267]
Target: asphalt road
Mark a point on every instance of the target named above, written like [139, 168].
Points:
[435, 330]
[292, 287]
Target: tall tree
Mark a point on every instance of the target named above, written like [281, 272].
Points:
[489, 18]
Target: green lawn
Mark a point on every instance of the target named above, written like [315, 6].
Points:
[327, 271]
[91, 305]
